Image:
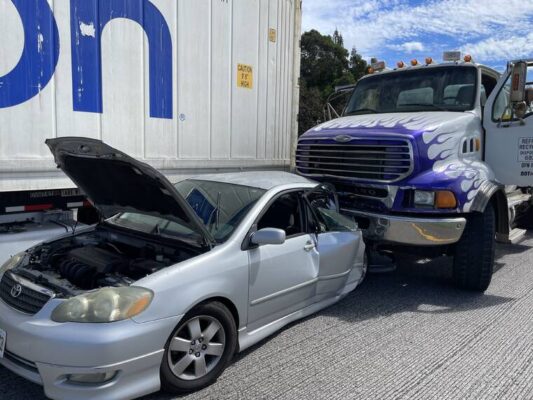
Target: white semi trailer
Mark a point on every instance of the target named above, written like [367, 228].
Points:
[188, 86]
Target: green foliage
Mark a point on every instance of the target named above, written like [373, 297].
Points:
[325, 64]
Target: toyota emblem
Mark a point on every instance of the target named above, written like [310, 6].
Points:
[16, 291]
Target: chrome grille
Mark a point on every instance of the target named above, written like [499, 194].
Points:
[380, 160]
[29, 301]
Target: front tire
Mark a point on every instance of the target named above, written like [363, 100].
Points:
[473, 263]
[199, 350]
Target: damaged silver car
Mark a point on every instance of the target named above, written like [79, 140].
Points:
[174, 280]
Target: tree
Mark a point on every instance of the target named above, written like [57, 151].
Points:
[338, 39]
[323, 61]
[311, 108]
[325, 64]
[358, 66]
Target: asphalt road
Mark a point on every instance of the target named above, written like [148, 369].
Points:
[404, 335]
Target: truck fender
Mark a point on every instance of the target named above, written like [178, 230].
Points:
[494, 192]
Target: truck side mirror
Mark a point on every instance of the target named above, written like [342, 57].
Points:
[518, 89]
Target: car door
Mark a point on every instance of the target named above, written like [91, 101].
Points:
[509, 141]
[339, 243]
[282, 277]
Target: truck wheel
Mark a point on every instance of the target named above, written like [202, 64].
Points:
[199, 350]
[473, 262]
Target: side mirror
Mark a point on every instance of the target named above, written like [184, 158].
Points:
[268, 236]
[518, 89]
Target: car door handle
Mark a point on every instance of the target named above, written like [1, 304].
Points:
[309, 246]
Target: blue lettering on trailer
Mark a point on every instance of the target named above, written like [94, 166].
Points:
[89, 18]
[39, 56]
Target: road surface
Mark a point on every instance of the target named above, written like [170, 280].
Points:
[405, 335]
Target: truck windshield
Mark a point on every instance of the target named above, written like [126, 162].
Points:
[432, 89]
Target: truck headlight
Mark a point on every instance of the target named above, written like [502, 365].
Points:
[440, 199]
[423, 198]
[104, 305]
[11, 263]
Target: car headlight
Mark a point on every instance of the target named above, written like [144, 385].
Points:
[11, 263]
[104, 305]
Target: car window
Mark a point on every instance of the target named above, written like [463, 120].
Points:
[285, 213]
[221, 206]
[324, 206]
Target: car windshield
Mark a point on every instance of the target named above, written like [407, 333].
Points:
[221, 206]
[432, 89]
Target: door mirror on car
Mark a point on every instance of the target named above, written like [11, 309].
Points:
[518, 88]
[268, 236]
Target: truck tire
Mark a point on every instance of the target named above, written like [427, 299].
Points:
[473, 263]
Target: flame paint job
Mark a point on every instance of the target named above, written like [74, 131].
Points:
[437, 139]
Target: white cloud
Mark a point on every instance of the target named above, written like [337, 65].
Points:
[372, 26]
[408, 47]
[502, 48]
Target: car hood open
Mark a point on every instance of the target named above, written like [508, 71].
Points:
[115, 182]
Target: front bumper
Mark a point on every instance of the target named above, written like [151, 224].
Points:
[410, 231]
[46, 352]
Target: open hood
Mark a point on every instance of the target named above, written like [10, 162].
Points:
[115, 183]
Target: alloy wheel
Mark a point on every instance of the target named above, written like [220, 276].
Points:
[196, 348]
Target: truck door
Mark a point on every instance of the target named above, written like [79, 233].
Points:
[508, 121]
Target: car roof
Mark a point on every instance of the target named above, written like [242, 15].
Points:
[259, 179]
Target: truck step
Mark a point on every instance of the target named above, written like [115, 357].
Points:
[517, 199]
[516, 236]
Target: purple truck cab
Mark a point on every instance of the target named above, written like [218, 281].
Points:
[425, 157]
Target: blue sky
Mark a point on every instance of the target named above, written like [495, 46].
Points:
[492, 31]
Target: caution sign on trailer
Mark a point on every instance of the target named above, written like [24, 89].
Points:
[245, 76]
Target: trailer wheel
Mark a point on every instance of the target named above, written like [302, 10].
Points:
[473, 263]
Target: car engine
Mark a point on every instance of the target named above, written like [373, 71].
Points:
[99, 258]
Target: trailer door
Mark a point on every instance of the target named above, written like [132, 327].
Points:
[509, 140]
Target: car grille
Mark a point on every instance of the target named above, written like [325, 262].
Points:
[29, 301]
[380, 160]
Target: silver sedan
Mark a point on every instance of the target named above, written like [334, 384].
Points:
[174, 280]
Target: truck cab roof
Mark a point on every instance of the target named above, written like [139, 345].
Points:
[484, 68]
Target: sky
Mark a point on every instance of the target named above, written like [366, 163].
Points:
[492, 31]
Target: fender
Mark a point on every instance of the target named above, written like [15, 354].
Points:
[493, 191]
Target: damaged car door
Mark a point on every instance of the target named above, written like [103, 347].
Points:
[338, 242]
[283, 277]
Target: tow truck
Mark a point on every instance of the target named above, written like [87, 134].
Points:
[434, 159]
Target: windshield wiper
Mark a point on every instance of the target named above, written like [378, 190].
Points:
[363, 110]
[424, 105]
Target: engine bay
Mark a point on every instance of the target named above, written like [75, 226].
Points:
[99, 258]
